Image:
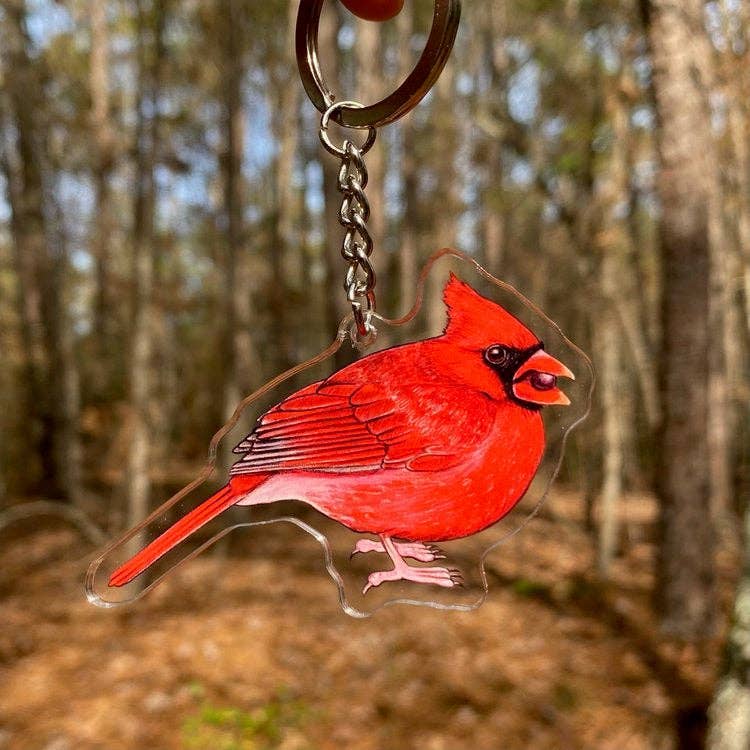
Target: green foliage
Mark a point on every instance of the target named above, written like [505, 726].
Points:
[228, 728]
[569, 163]
[537, 6]
[527, 587]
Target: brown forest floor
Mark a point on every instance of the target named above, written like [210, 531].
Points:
[246, 653]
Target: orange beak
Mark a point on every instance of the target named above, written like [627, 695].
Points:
[535, 380]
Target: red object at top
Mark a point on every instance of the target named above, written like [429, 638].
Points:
[374, 10]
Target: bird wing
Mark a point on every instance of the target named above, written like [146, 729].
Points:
[338, 426]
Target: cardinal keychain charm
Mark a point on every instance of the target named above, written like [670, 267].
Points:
[402, 467]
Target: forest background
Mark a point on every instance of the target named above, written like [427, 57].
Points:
[169, 241]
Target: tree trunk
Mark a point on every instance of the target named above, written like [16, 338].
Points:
[739, 128]
[723, 343]
[68, 449]
[240, 362]
[724, 324]
[150, 60]
[611, 388]
[685, 587]
[447, 186]
[368, 59]
[231, 161]
[493, 210]
[407, 247]
[613, 241]
[736, 80]
[102, 219]
[285, 100]
[336, 305]
[38, 293]
[729, 715]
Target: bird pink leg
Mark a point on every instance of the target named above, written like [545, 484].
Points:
[414, 550]
[446, 577]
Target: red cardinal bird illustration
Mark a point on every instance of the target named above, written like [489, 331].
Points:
[420, 443]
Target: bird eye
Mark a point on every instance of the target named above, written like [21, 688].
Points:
[496, 355]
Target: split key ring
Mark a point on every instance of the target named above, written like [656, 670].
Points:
[426, 72]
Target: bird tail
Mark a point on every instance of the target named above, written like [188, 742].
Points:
[207, 510]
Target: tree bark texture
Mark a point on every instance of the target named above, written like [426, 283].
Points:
[238, 351]
[613, 245]
[445, 139]
[686, 567]
[102, 219]
[493, 209]
[336, 304]
[407, 248]
[729, 714]
[370, 88]
[609, 350]
[150, 59]
[38, 297]
[286, 265]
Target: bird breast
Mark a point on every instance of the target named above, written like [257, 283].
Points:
[456, 502]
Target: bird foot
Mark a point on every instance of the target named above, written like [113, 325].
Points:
[445, 577]
[414, 550]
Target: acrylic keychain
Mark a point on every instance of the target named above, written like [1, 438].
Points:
[399, 471]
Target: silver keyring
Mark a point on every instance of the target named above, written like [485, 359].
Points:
[405, 97]
[325, 139]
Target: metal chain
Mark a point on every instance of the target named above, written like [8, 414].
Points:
[354, 213]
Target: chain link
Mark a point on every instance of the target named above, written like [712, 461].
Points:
[357, 246]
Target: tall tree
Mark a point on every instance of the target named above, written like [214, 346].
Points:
[238, 347]
[408, 243]
[734, 302]
[369, 88]
[38, 257]
[445, 139]
[730, 711]
[285, 257]
[150, 20]
[496, 69]
[685, 586]
[336, 306]
[613, 244]
[103, 161]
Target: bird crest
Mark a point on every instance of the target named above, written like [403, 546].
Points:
[472, 317]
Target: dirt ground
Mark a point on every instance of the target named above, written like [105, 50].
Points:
[242, 652]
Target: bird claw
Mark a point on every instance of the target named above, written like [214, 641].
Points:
[414, 550]
[402, 571]
[444, 577]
